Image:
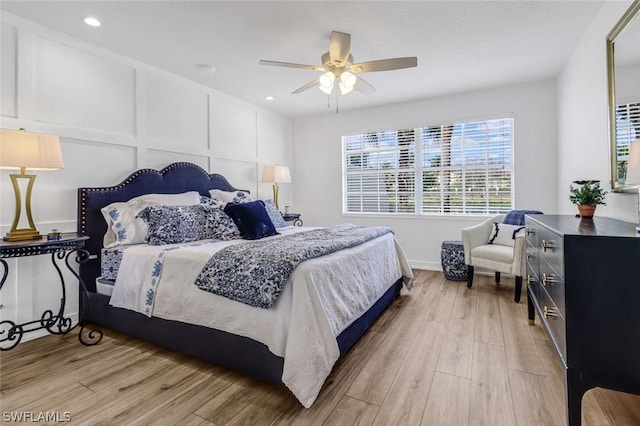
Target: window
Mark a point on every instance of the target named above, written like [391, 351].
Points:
[627, 131]
[462, 168]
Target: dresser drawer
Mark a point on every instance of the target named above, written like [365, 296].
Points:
[554, 323]
[551, 249]
[553, 283]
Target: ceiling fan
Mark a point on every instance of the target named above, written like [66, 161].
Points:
[337, 65]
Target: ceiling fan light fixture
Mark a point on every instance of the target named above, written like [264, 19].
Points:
[344, 89]
[326, 90]
[348, 79]
[326, 80]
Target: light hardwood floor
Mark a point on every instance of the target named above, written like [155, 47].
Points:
[441, 354]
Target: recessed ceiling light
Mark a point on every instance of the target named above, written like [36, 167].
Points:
[91, 21]
[269, 98]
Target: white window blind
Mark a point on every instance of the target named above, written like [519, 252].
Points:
[462, 168]
[627, 131]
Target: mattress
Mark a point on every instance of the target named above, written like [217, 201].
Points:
[110, 260]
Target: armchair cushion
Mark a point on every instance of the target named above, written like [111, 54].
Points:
[494, 257]
[504, 234]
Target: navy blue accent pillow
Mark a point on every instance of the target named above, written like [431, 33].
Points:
[252, 219]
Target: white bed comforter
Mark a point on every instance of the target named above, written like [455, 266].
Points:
[322, 297]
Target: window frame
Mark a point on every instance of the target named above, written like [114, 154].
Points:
[418, 169]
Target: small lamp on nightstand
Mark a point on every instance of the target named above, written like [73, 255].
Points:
[633, 172]
[22, 150]
[276, 174]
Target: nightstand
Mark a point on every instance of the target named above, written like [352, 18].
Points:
[292, 217]
[61, 251]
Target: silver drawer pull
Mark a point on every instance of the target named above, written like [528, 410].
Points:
[530, 279]
[529, 231]
[546, 245]
[549, 312]
[547, 279]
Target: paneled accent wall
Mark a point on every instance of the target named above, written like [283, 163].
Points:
[114, 115]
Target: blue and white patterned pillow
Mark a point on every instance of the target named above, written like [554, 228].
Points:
[175, 224]
[219, 224]
[230, 196]
[274, 214]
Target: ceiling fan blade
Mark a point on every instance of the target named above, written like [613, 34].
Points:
[363, 86]
[307, 86]
[339, 47]
[386, 64]
[291, 65]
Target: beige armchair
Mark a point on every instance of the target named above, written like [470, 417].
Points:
[499, 258]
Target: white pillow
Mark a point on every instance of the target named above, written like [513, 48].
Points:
[184, 199]
[504, 234]
[230, 196]
[122, 226]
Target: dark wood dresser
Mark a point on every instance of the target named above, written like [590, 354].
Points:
[583, 278]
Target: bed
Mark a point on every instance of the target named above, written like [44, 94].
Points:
[271, 348]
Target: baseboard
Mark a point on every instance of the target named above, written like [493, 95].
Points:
[425, 265]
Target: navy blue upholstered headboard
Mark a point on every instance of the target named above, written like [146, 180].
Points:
[173, 179]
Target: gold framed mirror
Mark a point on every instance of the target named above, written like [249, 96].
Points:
[623, 75]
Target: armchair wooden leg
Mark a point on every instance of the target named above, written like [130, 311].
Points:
[469, 276]
[497, 277]
[518, 289]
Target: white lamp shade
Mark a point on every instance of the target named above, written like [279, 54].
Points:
[276, 174]
[29, 150]
[633, 166]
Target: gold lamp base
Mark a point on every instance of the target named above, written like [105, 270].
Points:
[30, 233]
[276, 189]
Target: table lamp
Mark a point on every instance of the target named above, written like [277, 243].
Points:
[633, 172]
[276, 174]
[22, 150]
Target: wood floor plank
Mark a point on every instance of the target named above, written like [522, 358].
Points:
[352, 412]
[456, 355]
[221, 407]
[441, 303]
[488, 327]
[521, 350]
[554, 372]
[377, 376]
[405, 402]
[174, 381]
[448, 402]
[490, 402]
[193, 420]
[532, 400]
[266, 407]
[182, 404]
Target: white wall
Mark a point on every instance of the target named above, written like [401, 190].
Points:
[318, 165]
[583, 135]
[114, 115]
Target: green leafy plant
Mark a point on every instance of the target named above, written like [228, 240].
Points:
[589, 192]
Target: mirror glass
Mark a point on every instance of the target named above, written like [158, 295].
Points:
[623, 62]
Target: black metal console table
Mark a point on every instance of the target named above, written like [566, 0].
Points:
[292, 217]
[69, 244]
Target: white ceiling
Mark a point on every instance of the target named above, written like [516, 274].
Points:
[460, 45]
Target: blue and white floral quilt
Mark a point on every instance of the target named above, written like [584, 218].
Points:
[255, 272]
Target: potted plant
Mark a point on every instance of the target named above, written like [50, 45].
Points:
[587, 196]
